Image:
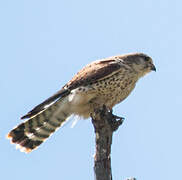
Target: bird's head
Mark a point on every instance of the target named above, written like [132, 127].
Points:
[140, 63]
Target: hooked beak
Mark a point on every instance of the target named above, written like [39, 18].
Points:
[153, 68]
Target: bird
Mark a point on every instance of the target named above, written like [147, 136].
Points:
[105, 82]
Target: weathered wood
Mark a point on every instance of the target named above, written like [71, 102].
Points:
[105, 123]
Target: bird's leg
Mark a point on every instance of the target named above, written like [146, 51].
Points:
[113, 120]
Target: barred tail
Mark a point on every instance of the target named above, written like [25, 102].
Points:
[31, 133]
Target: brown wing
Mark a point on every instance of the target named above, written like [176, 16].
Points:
[89, 74]
[93, 72]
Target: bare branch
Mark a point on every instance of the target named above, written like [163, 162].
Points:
[105, 123]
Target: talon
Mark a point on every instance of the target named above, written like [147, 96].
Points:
[115, 121]
[117, 117]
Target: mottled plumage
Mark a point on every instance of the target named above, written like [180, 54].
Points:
[104, 82]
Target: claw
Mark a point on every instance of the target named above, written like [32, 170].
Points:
[115, 121]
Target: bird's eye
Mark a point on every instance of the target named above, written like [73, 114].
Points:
[147, 58]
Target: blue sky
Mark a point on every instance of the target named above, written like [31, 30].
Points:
[44, 43]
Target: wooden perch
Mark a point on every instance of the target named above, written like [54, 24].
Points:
[105, 123]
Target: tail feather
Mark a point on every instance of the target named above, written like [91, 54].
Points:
[34, 131]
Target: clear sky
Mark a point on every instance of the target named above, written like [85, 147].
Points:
[44, 43]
